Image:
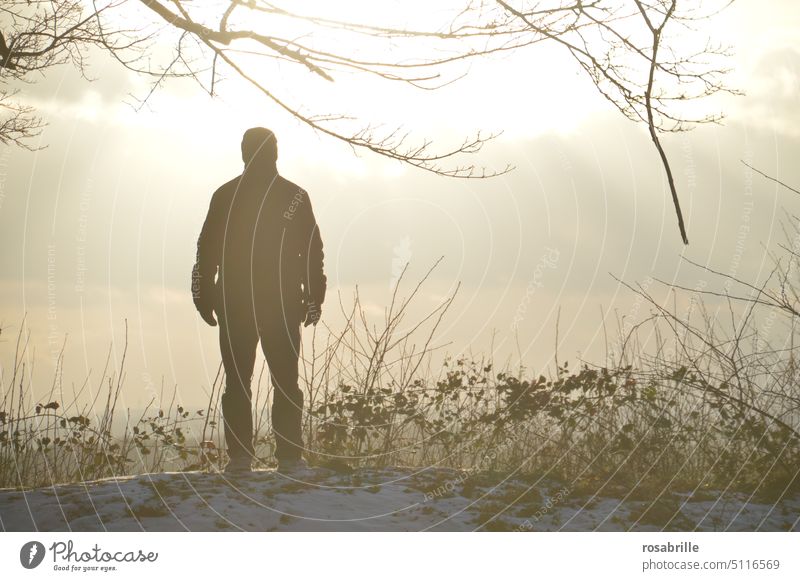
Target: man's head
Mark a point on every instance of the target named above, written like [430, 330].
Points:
[259, 147]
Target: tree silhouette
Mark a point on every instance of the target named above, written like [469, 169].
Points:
[648, 58]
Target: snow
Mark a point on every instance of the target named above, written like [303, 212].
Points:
[390, 499]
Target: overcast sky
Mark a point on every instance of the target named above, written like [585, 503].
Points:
[100, 227]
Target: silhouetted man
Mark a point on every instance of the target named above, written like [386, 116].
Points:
[261, 242]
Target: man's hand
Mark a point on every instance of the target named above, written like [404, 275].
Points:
[201, 295]
[208, 315]
[313, 313]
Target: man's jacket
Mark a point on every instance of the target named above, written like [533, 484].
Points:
[261, 240]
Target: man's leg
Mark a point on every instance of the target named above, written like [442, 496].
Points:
[238, 339]
[280, 340]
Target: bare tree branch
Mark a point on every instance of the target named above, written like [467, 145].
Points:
[621, 44]
[634, 55]
[769, 177]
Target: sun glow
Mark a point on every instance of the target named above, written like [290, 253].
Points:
[548, 96]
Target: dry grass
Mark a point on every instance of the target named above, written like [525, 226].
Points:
[702, 406]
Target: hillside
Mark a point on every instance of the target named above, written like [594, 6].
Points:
[391, 499]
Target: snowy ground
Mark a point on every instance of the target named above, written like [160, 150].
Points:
[394, 499]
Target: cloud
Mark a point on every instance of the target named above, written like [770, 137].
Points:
[773, 96]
